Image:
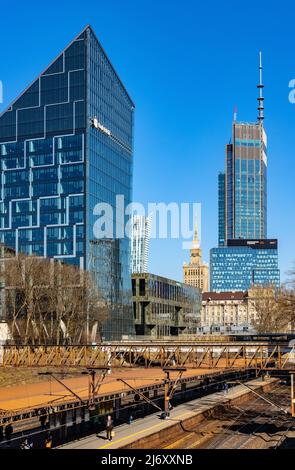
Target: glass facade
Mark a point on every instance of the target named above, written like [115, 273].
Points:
[140, 238]
[229, 193]
[221, 209]
[249, 176]
[245, 257]
[56, 166]
[244, 264]
[245, 195]
[164, 307]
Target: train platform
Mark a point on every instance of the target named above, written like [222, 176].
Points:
[127, 434]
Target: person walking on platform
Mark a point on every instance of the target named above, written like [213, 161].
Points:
[225, 388]
[109, 427]
[48, 440]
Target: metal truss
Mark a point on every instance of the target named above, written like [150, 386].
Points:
[199, 356]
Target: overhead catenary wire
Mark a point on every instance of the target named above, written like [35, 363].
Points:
[211, 421]
[47, 404]
[235, 432]
[126, 407]
[234, 420]
[271, 420]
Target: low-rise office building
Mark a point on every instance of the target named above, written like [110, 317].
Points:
[244, 264]
[164, 307]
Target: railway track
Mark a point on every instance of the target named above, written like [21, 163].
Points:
[258, 425]
[254, 424]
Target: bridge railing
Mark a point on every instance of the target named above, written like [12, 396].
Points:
[199, 355]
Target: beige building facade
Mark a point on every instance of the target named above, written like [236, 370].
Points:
[196, 272]
[225, 309]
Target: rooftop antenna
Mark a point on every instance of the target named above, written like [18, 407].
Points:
[260, 86]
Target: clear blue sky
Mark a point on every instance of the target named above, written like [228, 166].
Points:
[185, 64]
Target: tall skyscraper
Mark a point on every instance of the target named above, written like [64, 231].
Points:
[243, 196]
[245, 257]
[221, 209]
[195, 273]
[66, 144]
[140, 239]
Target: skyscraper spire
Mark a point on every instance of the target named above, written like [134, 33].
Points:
[196, 241]
[195, 273]
[260, 86]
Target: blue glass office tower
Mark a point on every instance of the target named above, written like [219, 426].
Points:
[66, 144]
[243, 264]
[245, 257]
[244, 192]
[221, 209]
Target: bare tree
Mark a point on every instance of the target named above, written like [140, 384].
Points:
[287, 299]
[275, 308]
[48, 302]
[23, 277]
[268, 316]
[74, 303]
